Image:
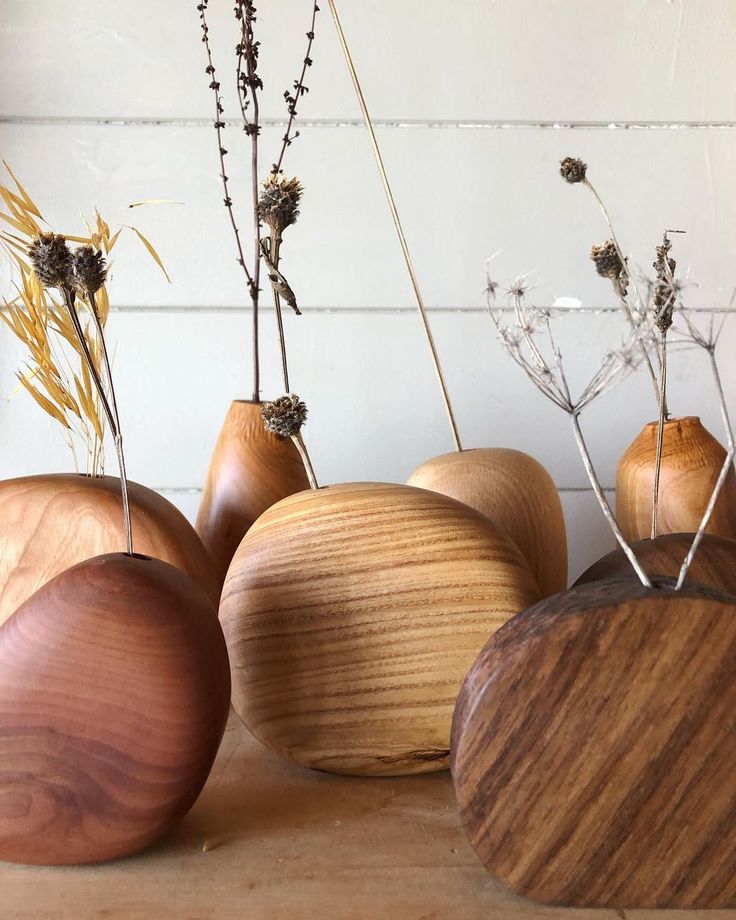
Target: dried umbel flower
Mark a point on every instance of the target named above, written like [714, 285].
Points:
[90, 269]
[573, 170]
[284, 416]
[608, 263]
[278, 205]
[52, 260]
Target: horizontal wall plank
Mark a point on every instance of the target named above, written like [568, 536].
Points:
[462, 196]
[375, 409]
[534, 60]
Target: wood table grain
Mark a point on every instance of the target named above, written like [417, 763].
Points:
[284, 842]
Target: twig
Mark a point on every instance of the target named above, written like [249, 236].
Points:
[397, 224]
[298, 442]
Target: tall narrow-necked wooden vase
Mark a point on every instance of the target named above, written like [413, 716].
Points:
[515, 493]
[352, 614]
[250, 470]
[691, 461]
[51, 522]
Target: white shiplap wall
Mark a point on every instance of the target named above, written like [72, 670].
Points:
[476, 101]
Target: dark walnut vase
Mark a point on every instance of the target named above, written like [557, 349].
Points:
[51, 522]
[251, 469]
[691, 461]
[714, 564]
[114, 694]
[516, 494]
[593, 749]
[352, 614]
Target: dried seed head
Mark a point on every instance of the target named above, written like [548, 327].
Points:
[608, 263]
[284, 416]
[52, 260]
[665, 287]
[90, 269]
[573, 170]
[278, 205]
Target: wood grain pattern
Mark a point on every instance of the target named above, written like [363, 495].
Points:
[515, 493]
[51, 522]
[250, 470]
[114, 694]
[593, 749]
[352, 614]
[714, 564]
[691, 461]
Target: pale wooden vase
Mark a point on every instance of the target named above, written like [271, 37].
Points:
[114, 695]
[250, 470]
[352, 614]
[515, 493]
[51, 522]
[593, 749]
[691, 461]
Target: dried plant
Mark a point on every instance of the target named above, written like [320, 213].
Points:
[530, 342]
[66, 346]
[277, 194]
[285, 417]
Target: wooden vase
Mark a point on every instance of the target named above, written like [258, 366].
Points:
[593, 749]
[352, 614]
[251, 469]
[49, 523]
[515, 493]
[114, 694]
[691, 461]
[714, 563]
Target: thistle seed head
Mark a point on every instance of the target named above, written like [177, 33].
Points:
[90, 269]
[284, 416]
[573, 170]
[278, 205]
[608, 263]
[52, 260]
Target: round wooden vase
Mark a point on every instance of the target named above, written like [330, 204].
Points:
[515, 493]
[251, 469]
[593, 749]
[49, 523]
[352, 614]
[714, 564]
[691, 461]
[114, 694]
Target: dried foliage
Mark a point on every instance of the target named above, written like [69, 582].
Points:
[56, 374]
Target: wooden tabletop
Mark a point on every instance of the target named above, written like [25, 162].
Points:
[269, 841]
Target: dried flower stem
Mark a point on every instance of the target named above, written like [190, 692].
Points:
[603, 501]
[111, 414]
[662, 399]
[274, 254]
[298, 442]
[725, 469]
[397, 224]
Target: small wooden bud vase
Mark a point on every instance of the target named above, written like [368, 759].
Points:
[691, 461]
[251, 469]
[593, 749]
[515, 493]
[352, 614]
[51, 522]
[114, 694]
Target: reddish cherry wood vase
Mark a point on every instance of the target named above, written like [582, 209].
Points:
[352, 614]
[593, 749]
[49, 523]
[114, 694]
[691, 461]
[251, 469]
[714, 564]
[515, 493]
